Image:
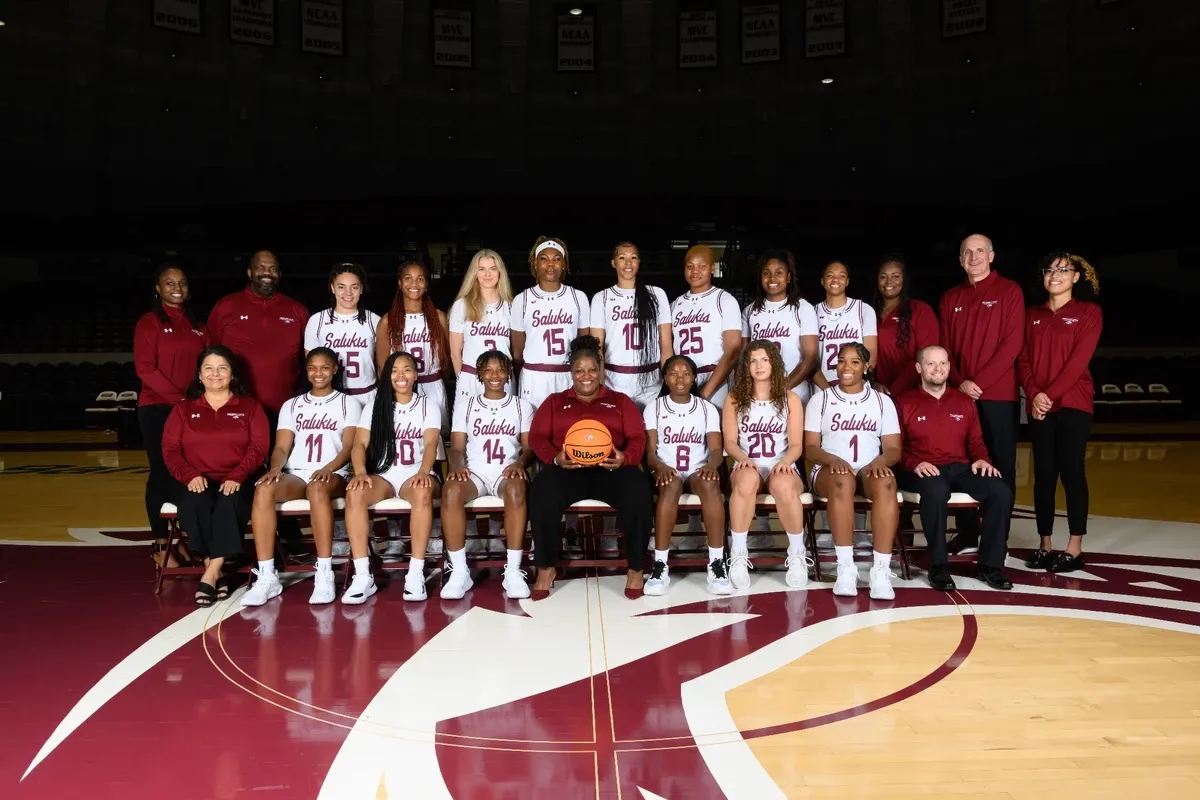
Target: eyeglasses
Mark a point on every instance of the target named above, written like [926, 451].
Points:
[1048, 271]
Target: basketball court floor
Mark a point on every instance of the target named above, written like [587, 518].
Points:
[1078, 686]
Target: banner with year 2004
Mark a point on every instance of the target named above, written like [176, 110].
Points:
[576, 43]
[697, 39]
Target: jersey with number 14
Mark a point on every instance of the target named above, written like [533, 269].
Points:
[317, 424]
[493, 429]
[353, 341]
[699, 322]
[550, 322]
[851, 425]
[682, 431]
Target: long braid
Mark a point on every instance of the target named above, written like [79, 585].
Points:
[396, 317]
[381, 447]
[645, 306]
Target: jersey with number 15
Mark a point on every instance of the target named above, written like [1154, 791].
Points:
[550, 322]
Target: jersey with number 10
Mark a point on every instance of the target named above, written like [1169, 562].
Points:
[317, 424]
[698, 325]
[493, 429]
[550, 322]
[851, 425]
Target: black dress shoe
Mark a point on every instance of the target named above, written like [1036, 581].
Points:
[939, 578]
[1042, 559]
[995, 578]
[1065, 562]
[963, 544]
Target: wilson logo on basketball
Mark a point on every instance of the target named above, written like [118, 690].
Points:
[587, 442]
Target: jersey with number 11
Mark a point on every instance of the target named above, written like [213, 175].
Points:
[317, 424]
[550, 321]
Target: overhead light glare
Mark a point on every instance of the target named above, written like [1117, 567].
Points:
[575, 12]
[826, 80]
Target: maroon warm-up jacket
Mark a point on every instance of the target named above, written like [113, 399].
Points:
[164, 355]
[1059, 345]
[229, 443]
[941, 430]
[897, 365]
[612, 409]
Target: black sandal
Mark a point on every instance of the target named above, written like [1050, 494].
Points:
[222, 588]
[206, 595]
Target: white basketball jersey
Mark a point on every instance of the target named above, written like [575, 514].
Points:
[851, 424]
[698, 323]
[410, 421]
[682, 431]
[318, 424]
[615, 310]
[353, 341]
[853, 322]
[783, 325]
[550, 322]
[493, 429]
[419, 344]
[490, 333]
[763, 432]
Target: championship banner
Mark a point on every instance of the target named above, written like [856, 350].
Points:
[252, 21]
[451, 38]
[697, 39]
[760, 33]
[961, 17]
[576, 43]
[178, 15]
[321, 27]
[824, 28]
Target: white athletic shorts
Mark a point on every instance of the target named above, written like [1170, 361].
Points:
[396, 475]
[812, 477]
[642, 394]
[487, 483]
[765, 467]
[306, 474]
[536, 386]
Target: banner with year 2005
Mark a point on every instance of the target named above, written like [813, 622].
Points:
[321, 27]
[576, 43]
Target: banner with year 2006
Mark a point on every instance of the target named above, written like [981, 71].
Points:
[178, 15]
[576, 43]
[252, 21]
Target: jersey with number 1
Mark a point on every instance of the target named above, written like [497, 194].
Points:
[698, 325]
[836, 327]
[851, 425]
[493, 429]
[682, 431]
[317, 424]
[353, 341]
[550, 321]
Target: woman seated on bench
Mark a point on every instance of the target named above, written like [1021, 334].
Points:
[310, 460]
[395, 445]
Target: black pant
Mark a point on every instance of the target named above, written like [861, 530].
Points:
[216, 523]
[1000, 421]
[995, 501]
[160, 486]
[1059, 451]
[288, 528]
[555, 488]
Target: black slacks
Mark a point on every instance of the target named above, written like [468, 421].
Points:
[995, 502]
[555, 488]
[216, 523]
[1059, 451]
[1000, 421]
[161, 487]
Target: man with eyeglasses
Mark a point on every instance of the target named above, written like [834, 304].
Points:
[982, 328]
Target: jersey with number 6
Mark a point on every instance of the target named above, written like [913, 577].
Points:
[353, 341]
[851, 425]
[853, 322]
[493, 429]
[317, 424]
[550, 322]
[698, 324]
[682, 431]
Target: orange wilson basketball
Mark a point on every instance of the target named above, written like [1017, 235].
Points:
[588, 442]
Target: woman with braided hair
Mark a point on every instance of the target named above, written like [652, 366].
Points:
[905, 326]
[413, 325]
[1060, 339]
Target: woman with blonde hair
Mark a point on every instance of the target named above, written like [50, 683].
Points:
[479, 320]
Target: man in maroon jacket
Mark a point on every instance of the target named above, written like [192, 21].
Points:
[982, 328]
[943, 453]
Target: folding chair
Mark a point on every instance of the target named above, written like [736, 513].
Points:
[861, 505]
[911, 501]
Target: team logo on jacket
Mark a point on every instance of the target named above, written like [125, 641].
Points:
[990, 303]
[1069, 320]
[956, 417]
[195, 416]
[244, 316]
[288, 320]
[235, 415]
[168, 330]
[920, 419]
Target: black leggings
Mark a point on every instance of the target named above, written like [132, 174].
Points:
[160, 486]
[1059, 451]
[555, 488]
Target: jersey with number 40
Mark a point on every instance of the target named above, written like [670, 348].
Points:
[493, 429]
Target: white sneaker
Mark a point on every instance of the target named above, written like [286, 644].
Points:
[515, 587]
[846, 584]
[323, 589]
[267, 587]
[797, 569]
[456, 587]
[881, 584]
[659, 580]
[718, 578]
[739, 570]
[360, 588]
[414, 587]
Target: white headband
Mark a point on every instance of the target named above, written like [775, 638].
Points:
[549, 246]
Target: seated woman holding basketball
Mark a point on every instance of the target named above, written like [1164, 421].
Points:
[395, 445]
[310, 460]
[489, 454]
[590, 441]
[852, 437]
[683, 450]
[764, 434]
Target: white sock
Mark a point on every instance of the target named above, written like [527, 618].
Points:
[362, 566]
[796, 542]
[458, 558]
[416, 565]
[882, 560]
[514, 558]
[845, 554]
[266, 568]
[325, 564]
[738, 546]
[661, 555]
[716, 554]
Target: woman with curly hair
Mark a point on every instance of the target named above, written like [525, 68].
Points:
[905, 326]
[1060, 339]
[413, 325]
[763, 426]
